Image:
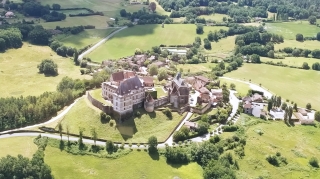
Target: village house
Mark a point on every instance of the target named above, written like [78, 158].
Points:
[277, 113]
[191, 125]
[305, 117]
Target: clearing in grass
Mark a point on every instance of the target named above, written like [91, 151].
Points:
[289, 30]
[84, 115]
[18, 145]
[214, 17]
[292, 61]
[297, 144]
[300, 86]
[85, 38]
[144, 37]
[137, 164]
[19, 74]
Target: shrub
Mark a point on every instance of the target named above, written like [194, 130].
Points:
[314, 162]
[167, 112]
[112, 122]
[48, 67]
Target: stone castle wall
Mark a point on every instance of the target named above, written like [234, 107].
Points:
[107, 109]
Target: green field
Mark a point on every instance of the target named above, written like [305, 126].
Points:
[311, 45]
[98, 21]
[17, 145]
[84, 115]
[201, 67]
[290, 29]
[241, 88]
[84, 38]
[134, 165]
[292, 61]
[146, 36]
[223, 48]
[300, 86]
[97, 94]
[297, 144]
[160, 92]
[19, 73]
[214, 17]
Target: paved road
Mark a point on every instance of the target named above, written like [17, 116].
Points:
[100, 43]
[266, 93]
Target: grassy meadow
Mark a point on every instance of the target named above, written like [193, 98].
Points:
[215, 17]
[300, 86]
[98, 21]
[87, 37]
[17, 145]
[146, 36]
[241, 88]
[193, 68]
[292, 61]
[137, 164]
[84, 115]
[297, 144]
[311, 45]
[290, 29]
[19, 73]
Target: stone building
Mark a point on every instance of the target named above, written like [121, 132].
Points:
[179, 92]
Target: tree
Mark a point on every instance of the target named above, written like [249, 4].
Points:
[48, 67]
[271, 54]
[290, 113]
[39, 36]
[299, 37]
[153, 69]
[94, 135]
[318, 36]
[305, 66]
[56, 6]
[312, 20]
[317, 115]
[162, 74]
[308, 106]
[207, 44]
[278, 104]
[316, 53]
[109, 146]
[179, 136]
[314, 162]
[60, 128]
[153, 6]
[284, 106]
[232, 86]
[270, 104]
[153, 142]
[255, 58]
[2, 44]
[199, 29]
[76, 56]
[80, 137]
[203, 127]
[68, 132]
[295, 107]
[123, 13]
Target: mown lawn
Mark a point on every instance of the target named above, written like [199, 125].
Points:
[292, 61]
[97, 94]
[87, 37]
[19, 73]
[134, 165]
[84, 115]
[241, 88]
[160, 92]
[300, 86]
[144, 37]
[297, 144]
[311, 45]
[17, 145]
[193, 68]
[290, 29]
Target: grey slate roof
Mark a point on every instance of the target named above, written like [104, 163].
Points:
[129, 84]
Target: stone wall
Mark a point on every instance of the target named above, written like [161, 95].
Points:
[202, 110]
[161, 101]
[107, 109]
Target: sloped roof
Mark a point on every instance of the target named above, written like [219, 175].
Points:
[202, 78]
[147, 79]
[128, 85]
[204, 90]
[118, 76]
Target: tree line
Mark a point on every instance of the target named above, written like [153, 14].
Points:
[21, 111]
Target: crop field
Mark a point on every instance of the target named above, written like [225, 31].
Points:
[290, 29]
[17, 145]
[300, 86]
[311, 45]
[84, 115]
[87, 37]
[135, 165]
[297, 144]
[19, 73]
[292, 61]
[144, 37]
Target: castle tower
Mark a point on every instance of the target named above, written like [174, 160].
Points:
[149, 103]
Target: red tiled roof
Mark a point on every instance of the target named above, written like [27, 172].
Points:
[202, 78]
[147, 79]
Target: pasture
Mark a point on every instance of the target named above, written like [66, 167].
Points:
[98, 21]
[144, 37]
[214, 17]
[85, 38]
[241, 88]
[311, 45]
[290, 29]
[137, 164]
[19, 73]
[297, 144]
[17, 145]
[194, 68]
[84, 115]
[292, 61]
[300, 86]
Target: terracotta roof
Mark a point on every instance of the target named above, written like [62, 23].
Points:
[147, 79]
[247, 105]
[191, 124]
[129, 84]
[204, 90]
[216, 91]
[118, 76]
[159, 64]
[302, 111]
[202, 78]
[256, 96]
